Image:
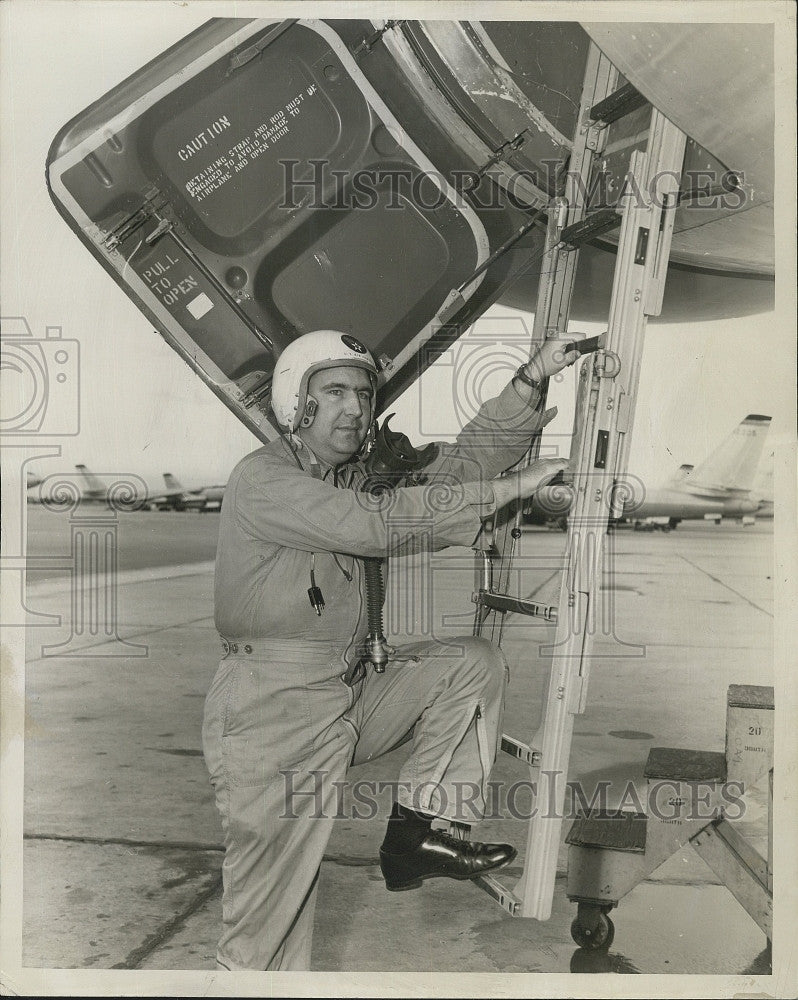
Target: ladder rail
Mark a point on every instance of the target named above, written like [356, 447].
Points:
[613, 373]
[668, 148]
[555, 289]
[608, 383]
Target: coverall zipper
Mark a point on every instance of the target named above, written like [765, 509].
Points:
[474, 716]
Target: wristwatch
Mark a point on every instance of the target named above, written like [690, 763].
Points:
[522, 376]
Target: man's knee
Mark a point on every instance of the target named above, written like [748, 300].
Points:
[483, 663]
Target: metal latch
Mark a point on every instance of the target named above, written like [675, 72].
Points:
[367, 44]
[251, 52]
[607, 364]
[261, 387]
[164, 226]
[148, 209]
[501, 152]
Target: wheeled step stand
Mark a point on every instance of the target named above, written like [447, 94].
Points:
[611, 123]
[687, 802]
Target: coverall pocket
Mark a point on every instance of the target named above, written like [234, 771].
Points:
[267, 724]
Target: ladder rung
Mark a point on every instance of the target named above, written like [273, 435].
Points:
[500, 602]
[515, 748]
[488, 883]
[506, 899]
[617, 105]
[598, 222]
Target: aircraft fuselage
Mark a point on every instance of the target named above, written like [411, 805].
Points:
[677, 504]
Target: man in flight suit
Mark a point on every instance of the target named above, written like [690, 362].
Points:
[293, 703]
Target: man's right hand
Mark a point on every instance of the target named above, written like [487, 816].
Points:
[549, 358]
[524, 482]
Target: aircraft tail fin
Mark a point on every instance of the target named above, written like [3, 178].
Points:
[171, 482]
[733, 465]
[93, 485]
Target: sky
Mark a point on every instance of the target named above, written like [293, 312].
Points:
[142, 409]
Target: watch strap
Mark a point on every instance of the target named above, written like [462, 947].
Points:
[522, 376]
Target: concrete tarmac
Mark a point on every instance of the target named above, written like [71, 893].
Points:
[122, 845]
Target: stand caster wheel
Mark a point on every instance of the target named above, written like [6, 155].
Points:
[597, 939]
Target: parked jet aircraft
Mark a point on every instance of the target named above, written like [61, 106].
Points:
[176, 497]
[93, 488]
[721, 486]
[173, 497]
[213, 497]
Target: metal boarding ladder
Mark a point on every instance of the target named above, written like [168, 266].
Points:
[602, 428]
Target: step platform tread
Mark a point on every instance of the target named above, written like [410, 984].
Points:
[749, 696]
[677, 764]
[612, 831]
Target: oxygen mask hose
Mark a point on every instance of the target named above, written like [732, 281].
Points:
[377, 648]
[393, 461]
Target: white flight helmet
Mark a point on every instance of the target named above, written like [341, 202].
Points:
[314, 352]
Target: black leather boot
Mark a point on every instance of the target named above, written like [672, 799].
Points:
[440, 855]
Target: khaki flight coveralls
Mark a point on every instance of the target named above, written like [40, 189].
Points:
[288, 711]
